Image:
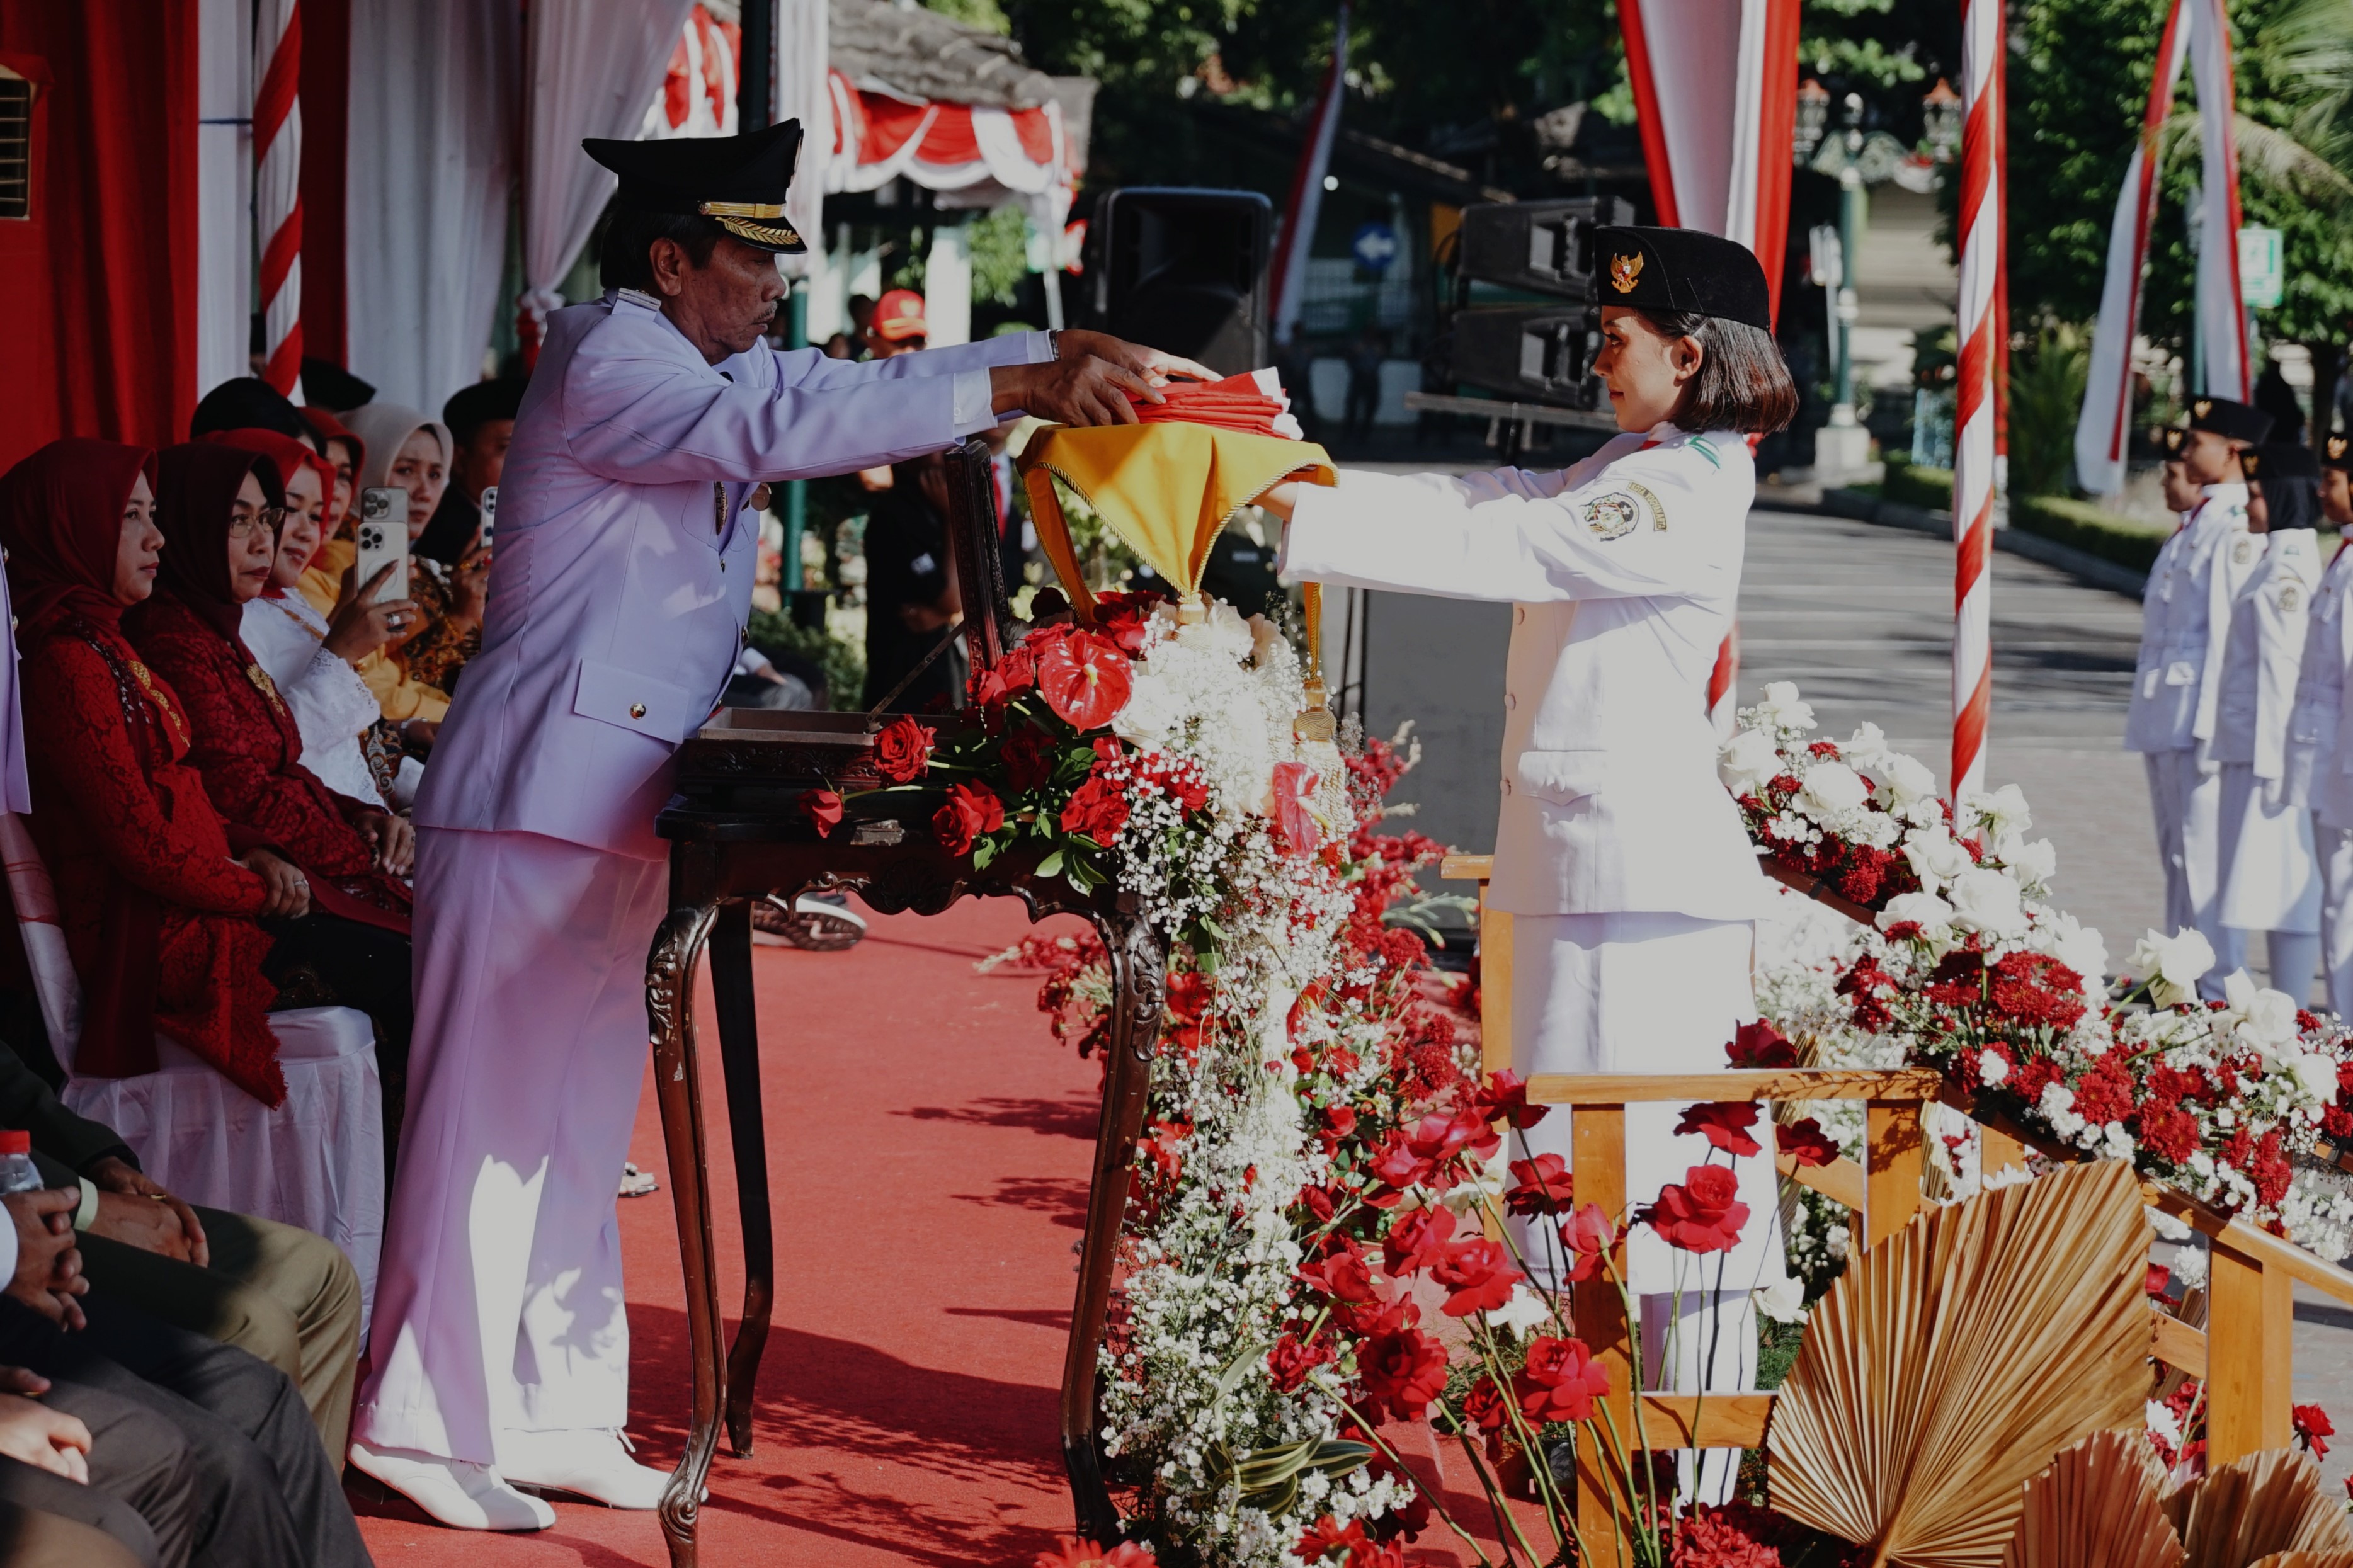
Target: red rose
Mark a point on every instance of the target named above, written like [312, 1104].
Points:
[1402, 1370]
[1296, 828]
[1725, 1125]
[1484, 1407]
[1097, 809]
[903, 750]
[1504, 1098]
[1703, 1214]
[1342, 1274]
[1544, 1186]
[1122, 617]
[1560, 1381]
[1028, 759]
[972, 809]
[823, 808]
[1398, 1164]
[1760, 1044]
[1339, 1121]
[1478, 1277]
[1290, 1362]
[1083, 677]
[1806, 1143]
[1417, 1240]
[2312, 1424]
[1589, 1236]
[1009, 677]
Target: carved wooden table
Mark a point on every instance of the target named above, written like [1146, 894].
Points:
[737, 833]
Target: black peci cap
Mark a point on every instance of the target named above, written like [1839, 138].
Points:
[1681, 269]
[2168, 440]
[472, 407]
[2280, 460]
[737, 180]
[248, 403]
[2237, 421]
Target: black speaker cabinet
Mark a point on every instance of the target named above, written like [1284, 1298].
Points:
[1183, 270]
[1540, 247]
[1539, 354]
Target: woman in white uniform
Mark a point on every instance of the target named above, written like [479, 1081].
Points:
[1633, 884]
[2319, 765]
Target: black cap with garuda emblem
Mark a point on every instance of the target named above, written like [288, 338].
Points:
[737, 181]
[2169, 441]
[2336, 452]
[1681, 269]
[2280, 460]
[2235, 421]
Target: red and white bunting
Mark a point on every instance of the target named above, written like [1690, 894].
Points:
[1973, 446]
[277, 189]
[1287, 278]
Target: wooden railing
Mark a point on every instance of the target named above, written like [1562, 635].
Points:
[2246, 1355]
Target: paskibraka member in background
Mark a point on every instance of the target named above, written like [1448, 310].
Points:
[480, 419]
[1618, 852]
[2317, 770]
[625, 561]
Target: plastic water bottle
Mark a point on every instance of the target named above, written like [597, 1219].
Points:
[17, 1172]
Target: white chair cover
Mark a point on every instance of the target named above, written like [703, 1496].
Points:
[316, 1161]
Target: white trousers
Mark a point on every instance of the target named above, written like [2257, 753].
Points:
[2334, 847]
[2165, 804]
[499, 1307]
[2271, 881]
[2197, 792]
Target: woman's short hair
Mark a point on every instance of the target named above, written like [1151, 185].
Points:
[623, 258]
[1743, 385]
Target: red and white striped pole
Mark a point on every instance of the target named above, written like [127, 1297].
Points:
[277, 189]
[1973, 446]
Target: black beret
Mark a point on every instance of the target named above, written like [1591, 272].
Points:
[472, 407]
[2280, 460]
[2237, 421]
[2170, 438]
[326, 384]
[1681, 269]
[2336, 452]
[248, 403]
[739, 181]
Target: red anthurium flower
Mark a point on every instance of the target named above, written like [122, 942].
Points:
[972, 809]
[1478, 1277]
[1504, 1098]
[1417, 1240]
[1028, 759]
[2312, 1424]
[1703, 1214]
[823, 808]
[1097, 809]
[1589, 1236]
[1760, 1044]
[1402, 1369]
[1343, 1275]
[1086, 1555]
[1296, 828]
[903, 750]
[1544, 1186]
[1083, 677]
[1806, 1143]
[1725, 1125]
[1560, 1381]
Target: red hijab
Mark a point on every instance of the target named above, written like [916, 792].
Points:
[199, 485]
[61, 521]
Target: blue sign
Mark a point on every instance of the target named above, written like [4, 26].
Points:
[1375, 246]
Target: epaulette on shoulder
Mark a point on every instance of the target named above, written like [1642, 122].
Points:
[1700, 444]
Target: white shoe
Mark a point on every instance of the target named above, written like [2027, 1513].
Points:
[460, 1495]
[595, 1464]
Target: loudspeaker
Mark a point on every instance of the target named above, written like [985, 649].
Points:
[1185, 271]
[1540, 354]
[1540, 247]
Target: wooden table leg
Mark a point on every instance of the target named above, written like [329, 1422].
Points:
[739, 1056]
[670, 979]
[1139, 969]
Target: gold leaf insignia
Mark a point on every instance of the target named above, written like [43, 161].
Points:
[2202, 408]
[758, 233]
[1658, 512]
[1625, 271]
[2336, 446]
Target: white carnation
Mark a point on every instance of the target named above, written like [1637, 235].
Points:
[1985, 899]
[1991, 1068]
[2003, 812]
[1747, 761]
[1936, 858]
[1833, 789]
[1931, 913]
[1781, 706]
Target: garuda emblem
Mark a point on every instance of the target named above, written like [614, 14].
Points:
[2335, 448]
[2202, 408]
[1625, 271]
[1612, 516]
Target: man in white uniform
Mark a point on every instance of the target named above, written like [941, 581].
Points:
[618, 604]
[2151, 723]
[2319, 761]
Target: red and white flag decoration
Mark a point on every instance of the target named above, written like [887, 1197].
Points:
[277, 189]
[1973, 448]
[1287, 278]
[2195, 36]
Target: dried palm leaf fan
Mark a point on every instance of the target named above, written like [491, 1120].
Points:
[1954, 1359]
[2305, 1560]
[2098, 1506]
[2265, 1505]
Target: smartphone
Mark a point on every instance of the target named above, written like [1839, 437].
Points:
[490, 507]
[383, 537]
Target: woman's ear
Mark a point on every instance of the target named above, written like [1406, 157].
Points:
[1684, 355]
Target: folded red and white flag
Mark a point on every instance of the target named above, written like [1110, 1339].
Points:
[1254, 403]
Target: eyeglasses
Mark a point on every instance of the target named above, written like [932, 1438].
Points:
[242, 524]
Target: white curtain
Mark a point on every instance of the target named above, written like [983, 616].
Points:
[430, 167]
[803, 58]
[223, 191]
[594, 65]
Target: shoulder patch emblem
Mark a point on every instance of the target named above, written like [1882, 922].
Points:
[1658, 512]
[1612, 516]
[2291, 599]
[2243, 553]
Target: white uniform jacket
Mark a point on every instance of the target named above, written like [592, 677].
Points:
[622, 575]
[1624, 571]
[2319, 770]
[2219, 566]
[2147, 715]
[2264, 648]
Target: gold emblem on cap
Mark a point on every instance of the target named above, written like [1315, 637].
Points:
[2202, 408]
[2335, 448]
[1625, 271]
[742, 209]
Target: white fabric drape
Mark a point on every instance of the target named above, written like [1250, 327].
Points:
[430, 165]
[594, 65]
[804, 62]
[2222, 318]
[223, 191]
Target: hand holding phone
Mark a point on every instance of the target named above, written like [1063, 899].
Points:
[489, 506]
[383, 535]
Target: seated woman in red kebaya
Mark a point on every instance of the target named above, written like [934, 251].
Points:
[218, 508]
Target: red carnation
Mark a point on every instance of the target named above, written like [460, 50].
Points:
[1724, 1124]
[1097, 809]
[1504, 1098]
[972, 809]
[1028, 759]
[1560, 1381]
[1417, 1240]
[823, 808]
[1402, 1368]
[1478, 1277]
[1703, 1214]
[1806, 1143]
[1083, 677]
[1589, 1236]
[1760, 1044]
[1732, 1535]
[1544, 1186]
[1290, 1362]
[903, 750]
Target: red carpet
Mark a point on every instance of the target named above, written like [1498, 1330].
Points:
[928, 1146]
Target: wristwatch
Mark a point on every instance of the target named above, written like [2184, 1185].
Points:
[1053, 343]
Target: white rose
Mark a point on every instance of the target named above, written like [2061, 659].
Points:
[1935, 858]
[1908, 779]
[1222, 632]
[1781, 706]
[1525, 1312]
[1266, 642]
[1150, 712]
[2266, 1018]
[2174, 965]
[1784, 1303]
[2036, 862]
[1747, 761]
[1931, 913]
[2078, 946]
[1985, 899]
[2317, 1074]
[1867, 748]
[1833, 789]
[2003, 812]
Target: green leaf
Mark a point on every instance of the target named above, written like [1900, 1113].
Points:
[1050, 865]
[984, 850]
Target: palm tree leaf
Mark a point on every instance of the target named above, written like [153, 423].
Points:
[1953, 1360]
[2264, 1504]
[2276, 157]
[2098, 1506]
